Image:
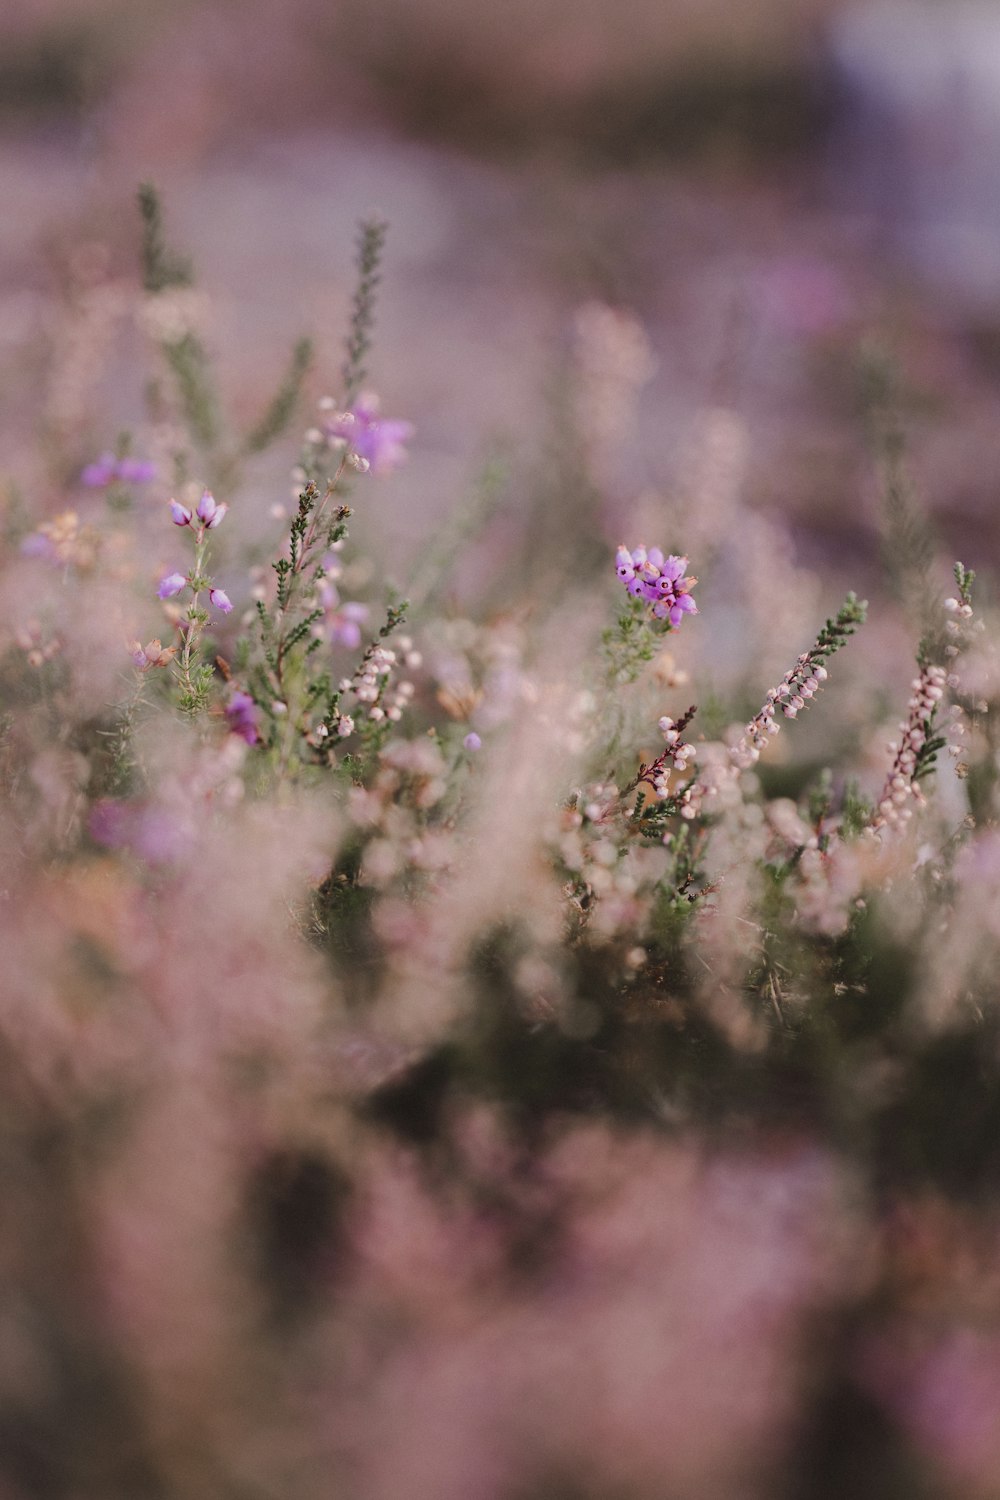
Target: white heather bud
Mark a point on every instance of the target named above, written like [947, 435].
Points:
[377, 714]
[951, 605]
[820, 673]
[313, 435]
[278, 708]
[345, 726]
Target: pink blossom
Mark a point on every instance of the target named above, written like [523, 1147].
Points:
[221, 600]
[242, 716]
[171, 584]
[210, 512]
[379, 441]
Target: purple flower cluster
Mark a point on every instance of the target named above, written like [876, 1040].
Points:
[207, 515]
[658, 579]
[376, 441]
[108, 469]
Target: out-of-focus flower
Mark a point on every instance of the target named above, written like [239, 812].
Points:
[472, 741]
[221, 600]
[61, 540]
[157, 835]
[344, 621]
[376, 440]
[242, 716]
[659, 580]
[108, 469]
[171, 584]
[153, 654]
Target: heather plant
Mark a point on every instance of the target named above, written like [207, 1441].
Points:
[465, 1048]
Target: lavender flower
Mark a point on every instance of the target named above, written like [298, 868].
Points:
[344, 621]
[108, 469]
[179, 514]
[242, 716]
[171, 584]
[377, 441]
[659, 580]
[210, 512]
[472, 741]
[221, 600]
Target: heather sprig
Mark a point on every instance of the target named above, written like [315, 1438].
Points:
[915, 753]
[288, 681]
[800, 683]
[371, 242]
[194, 675]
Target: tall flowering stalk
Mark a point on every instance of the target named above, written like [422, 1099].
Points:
[195, 677]
[800, 683]
[915, 751]
[921, 736]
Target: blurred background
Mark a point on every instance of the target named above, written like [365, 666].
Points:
[768, 189]
[713, 223]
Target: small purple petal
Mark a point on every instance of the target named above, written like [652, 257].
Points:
[171, 585]
[472, 741]
[217, 517]
[180, 514]
[98, 476]
[37, 544]
[344, 632]
[242, 716]
[206, 507]
[221, 600]
[135, 471]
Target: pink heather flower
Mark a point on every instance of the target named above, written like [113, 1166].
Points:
[472, 741]
[624, 565]
[242, 716]
[97, 476]
[179, 514]
[377, 440]
[344, 620]
[660, 580]
[221, 600]
[210, 513]
[345, 625]
[170, 585]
